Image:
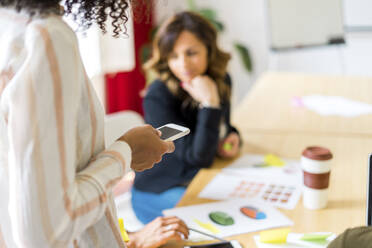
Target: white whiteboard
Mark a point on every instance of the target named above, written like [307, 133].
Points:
[358, 12]
[301, 23]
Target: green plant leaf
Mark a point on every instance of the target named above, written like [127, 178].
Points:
[153, 31]
[145, 52]
[218, 25]
[192, 5]
[245, 56]
[209, 14]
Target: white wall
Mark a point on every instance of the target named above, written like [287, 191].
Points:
[358, 12]
[246, 21]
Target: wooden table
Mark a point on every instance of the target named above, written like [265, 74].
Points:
[346, 207]
[270, 124]
[268, 106]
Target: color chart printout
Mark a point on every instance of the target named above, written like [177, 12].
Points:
[227, 218]
[278, 193]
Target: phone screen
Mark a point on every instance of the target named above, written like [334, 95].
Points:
[167, 132]
[214, 245]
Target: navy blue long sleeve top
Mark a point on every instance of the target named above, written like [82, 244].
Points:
[194, 151]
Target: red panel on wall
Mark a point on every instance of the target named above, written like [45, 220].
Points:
[123, 88]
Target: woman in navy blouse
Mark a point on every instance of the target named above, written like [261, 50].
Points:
[192, 89]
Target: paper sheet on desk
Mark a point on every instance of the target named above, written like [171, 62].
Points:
[294, 241]
[242, 223]
[336, 105]
[279, 187]
[249, 164]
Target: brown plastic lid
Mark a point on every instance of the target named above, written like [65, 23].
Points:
[317, 153]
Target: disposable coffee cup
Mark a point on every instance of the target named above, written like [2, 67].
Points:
[316, 166]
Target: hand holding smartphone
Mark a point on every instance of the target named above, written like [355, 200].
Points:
[171, 132]
[146, 147]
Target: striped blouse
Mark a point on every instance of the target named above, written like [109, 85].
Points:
[56, 176]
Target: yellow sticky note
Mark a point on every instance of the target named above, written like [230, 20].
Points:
[273, 160]
[208, 226]
[276, 236]
[123, 232]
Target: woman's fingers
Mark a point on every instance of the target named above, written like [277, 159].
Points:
[170, 147]
[178, 228]
[172, 235]
[168, 236]
[174, 223]
[188, 87]
[230, 146]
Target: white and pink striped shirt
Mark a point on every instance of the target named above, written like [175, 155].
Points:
[55, 174]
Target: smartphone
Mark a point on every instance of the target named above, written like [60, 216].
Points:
[171, 132]
[229, 244]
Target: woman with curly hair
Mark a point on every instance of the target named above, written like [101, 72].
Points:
[56, 176]
[192, 89]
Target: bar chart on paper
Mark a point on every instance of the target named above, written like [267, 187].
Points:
[250, 177]
[275, 193]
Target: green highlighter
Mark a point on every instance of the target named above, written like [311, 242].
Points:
[227, 146]
[315, 237]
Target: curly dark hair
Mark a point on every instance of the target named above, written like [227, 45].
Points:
[85, 13]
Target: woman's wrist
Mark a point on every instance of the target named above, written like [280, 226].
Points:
[209, 105]
[213, 102]
[132, 240]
